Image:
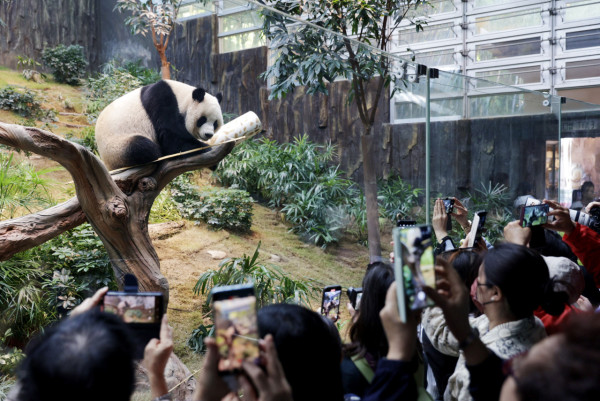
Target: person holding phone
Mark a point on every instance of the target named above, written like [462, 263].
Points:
[90, 356]
[513, 281]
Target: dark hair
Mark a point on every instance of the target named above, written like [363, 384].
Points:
[366, 333]
[586, 185]
[571, 372]
[555, 246]
[523, 277]
[467, 265]
[86, 357]
[308, 349]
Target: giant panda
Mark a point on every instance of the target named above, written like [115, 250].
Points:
[160, 119]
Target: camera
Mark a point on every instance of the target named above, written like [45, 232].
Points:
[592, 220]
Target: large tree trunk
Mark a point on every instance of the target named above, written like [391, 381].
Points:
[370, 186]
[165, 66]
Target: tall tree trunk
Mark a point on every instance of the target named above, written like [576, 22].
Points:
[370, 186]
[165, 66]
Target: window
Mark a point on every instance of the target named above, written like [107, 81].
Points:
[582, 69]
[507, 21]
[582, 39]
[512, 48]
[239, 26]
[579, 10]
[487, 3]
[433, 8]
[436, 58]
[431, 33]
[510, 76]
[189, 10]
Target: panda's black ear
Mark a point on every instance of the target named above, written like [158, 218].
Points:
[198, 94]
[219, 97]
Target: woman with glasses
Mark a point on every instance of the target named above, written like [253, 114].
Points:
[512, 282]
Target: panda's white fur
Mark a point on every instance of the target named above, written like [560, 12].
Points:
[155, 121]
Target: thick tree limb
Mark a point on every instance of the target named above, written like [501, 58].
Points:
[116, 207]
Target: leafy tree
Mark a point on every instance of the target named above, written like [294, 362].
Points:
[313, 58]
[159, 17]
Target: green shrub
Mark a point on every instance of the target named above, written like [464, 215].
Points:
[87, 138]
[67, 64]
[41, 284]
[298, 177]
[397, 198]
[113, 82]
[9, 360]
[221, 209]
[164, 208]
[271, 285]
[24, 103]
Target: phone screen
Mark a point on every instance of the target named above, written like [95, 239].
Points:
[135, 308]
[449, 205]
[330, 305]
[535, 215]
[236, 332]
[476, 228]
[414, 267]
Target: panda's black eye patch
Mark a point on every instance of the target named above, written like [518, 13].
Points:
[201, 121]
[216, 124]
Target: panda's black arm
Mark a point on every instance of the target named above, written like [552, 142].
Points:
[174, 141]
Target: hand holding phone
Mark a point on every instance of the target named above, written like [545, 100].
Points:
[476, 228]
[413, 267]
[236, 330]
[330, 304]
[355, 295]
[142, 311]
[534, 215]
[449, 205]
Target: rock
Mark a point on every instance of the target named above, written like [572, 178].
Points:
[275, 258]
[218, 255]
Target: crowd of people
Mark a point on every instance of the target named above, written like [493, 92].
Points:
[512, 321]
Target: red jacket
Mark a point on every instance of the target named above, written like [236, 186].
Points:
[585, 244]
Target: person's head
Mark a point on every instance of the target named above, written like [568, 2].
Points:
[587, 192]
[86, 357]
[516, 278]
[366, 333]
[466, 262]
[564, 366]
[309, 349]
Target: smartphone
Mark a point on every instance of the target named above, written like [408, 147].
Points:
[476, 228]
[413, 267]
[142, 311]
[330, 304]
[534, 215]
[448, 204]
[355, 295]
[236, 329]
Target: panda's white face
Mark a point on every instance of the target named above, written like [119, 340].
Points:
[204, 118]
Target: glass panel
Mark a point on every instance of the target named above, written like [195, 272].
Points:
[583, 39]
[191, 10]
[229, 4]
[590, 95]
[435, 58]
[487, 3]
[241, 41]
[578, 10]
[433, 8]
[239, 21]
[509, 76]
[431, 33]
[583, 69]
[513, 48]
[505, 22]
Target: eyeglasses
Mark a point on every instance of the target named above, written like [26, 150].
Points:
[489, 285]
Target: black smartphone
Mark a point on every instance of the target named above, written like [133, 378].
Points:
[476, 228]
[534, 215]
[236, 329]
[330, 304]
[448, 204]
[414, 267]
[142, 311]
[355, 295]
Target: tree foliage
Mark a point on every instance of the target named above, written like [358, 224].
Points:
[359, 33]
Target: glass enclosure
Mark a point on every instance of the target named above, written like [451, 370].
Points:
[477, 136]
